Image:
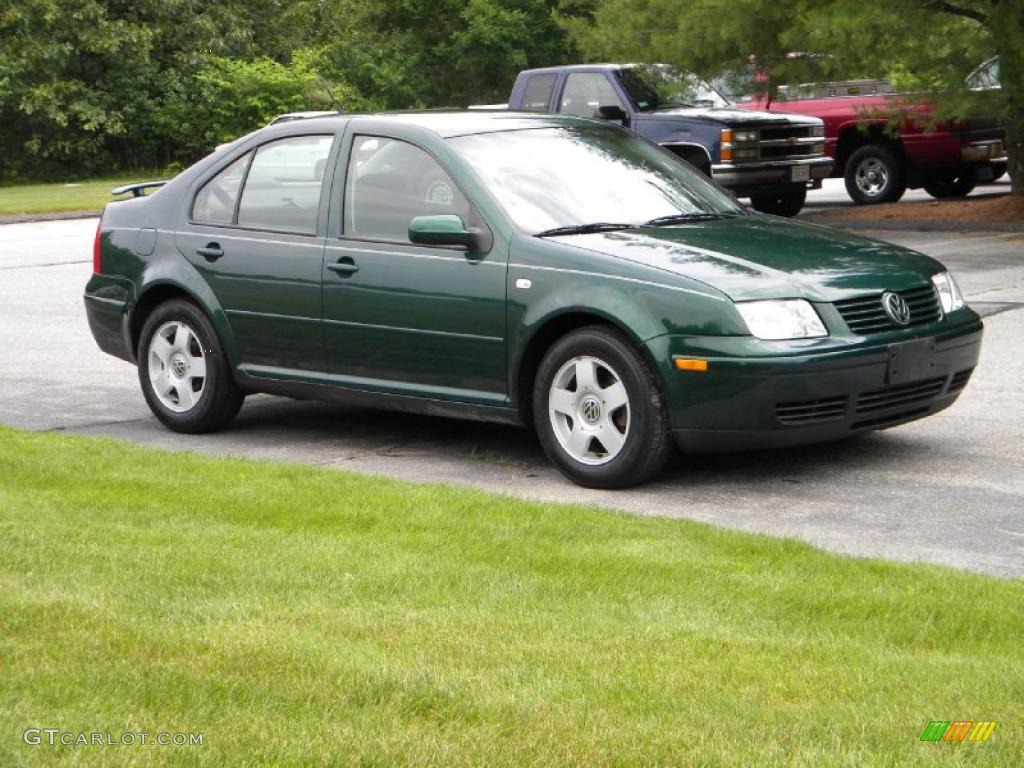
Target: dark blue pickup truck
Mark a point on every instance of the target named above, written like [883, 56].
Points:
[770, 157]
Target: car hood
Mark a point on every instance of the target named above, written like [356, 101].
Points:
[731, 116]
[761, 257]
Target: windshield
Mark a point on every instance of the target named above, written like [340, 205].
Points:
[547, 178]
[659, 86]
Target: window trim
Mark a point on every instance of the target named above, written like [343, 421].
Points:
[251, 152]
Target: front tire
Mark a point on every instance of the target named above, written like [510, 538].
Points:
[184, 374]
[786, 204]
[598, 410]
[875, 174]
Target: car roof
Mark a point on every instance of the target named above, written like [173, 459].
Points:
[447, 124]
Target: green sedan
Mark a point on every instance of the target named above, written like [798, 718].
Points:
[551, 272]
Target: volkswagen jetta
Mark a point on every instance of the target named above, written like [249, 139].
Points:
[547, 271]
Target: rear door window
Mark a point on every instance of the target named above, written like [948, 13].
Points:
[282, 188]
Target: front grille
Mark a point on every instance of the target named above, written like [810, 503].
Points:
[779, 142]
[959, 380]
[773, 133]
[800, 150]
[865, 315]
[811, 411]
[914, 396]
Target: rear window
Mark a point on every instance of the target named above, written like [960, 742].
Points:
[538, 93]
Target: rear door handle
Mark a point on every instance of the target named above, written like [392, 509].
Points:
[344, 267]
[211, 252]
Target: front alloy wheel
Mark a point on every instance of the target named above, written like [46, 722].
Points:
[598, 410]
[589, 410]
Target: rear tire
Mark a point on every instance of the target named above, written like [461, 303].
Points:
[599, 411]
[875, 174]
[959, 184]
[786, 204]
[184, 374]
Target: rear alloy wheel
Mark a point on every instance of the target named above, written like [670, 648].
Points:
[184, 374]
[875, 174]
[959, 184]
[786, 204]
[598, 410]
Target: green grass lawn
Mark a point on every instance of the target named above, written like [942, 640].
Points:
[299, 616]
[90, 195]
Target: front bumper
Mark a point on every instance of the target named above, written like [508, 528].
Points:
[746, 177]
[745, 401]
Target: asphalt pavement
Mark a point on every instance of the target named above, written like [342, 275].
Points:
[947, 490]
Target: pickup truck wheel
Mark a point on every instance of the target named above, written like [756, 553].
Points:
[598, 410]
[184, 374]
[875, 174]
[780, 203]
[958, 184]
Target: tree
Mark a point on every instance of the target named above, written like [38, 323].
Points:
[90, 86]
[922, 44]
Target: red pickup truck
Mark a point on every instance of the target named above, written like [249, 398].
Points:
[880, 162]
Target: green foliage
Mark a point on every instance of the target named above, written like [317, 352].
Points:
[94, 86]
[230, 97]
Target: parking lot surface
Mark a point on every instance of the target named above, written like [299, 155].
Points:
[947, 490]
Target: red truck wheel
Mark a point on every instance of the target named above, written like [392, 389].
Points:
[875, 174]
[952, 185]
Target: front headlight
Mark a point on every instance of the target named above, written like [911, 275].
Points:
[742, 136]
[785, 319]
[818, 130]
[949, 292]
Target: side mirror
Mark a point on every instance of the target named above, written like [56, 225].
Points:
[446, 229]
[611, 112]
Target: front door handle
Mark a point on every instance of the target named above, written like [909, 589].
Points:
[344, 267]
[211, 252]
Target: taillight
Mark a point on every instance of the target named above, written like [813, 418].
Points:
[96, 258]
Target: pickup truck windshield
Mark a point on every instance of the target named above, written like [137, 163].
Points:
[553, 178]
[659, 86]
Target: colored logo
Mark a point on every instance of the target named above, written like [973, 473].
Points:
[958, 730]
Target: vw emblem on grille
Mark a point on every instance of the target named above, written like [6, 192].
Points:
[896, 308]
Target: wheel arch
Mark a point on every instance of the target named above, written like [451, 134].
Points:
[695, 154]
[159, 291]
[546, 334]
[855, 135]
